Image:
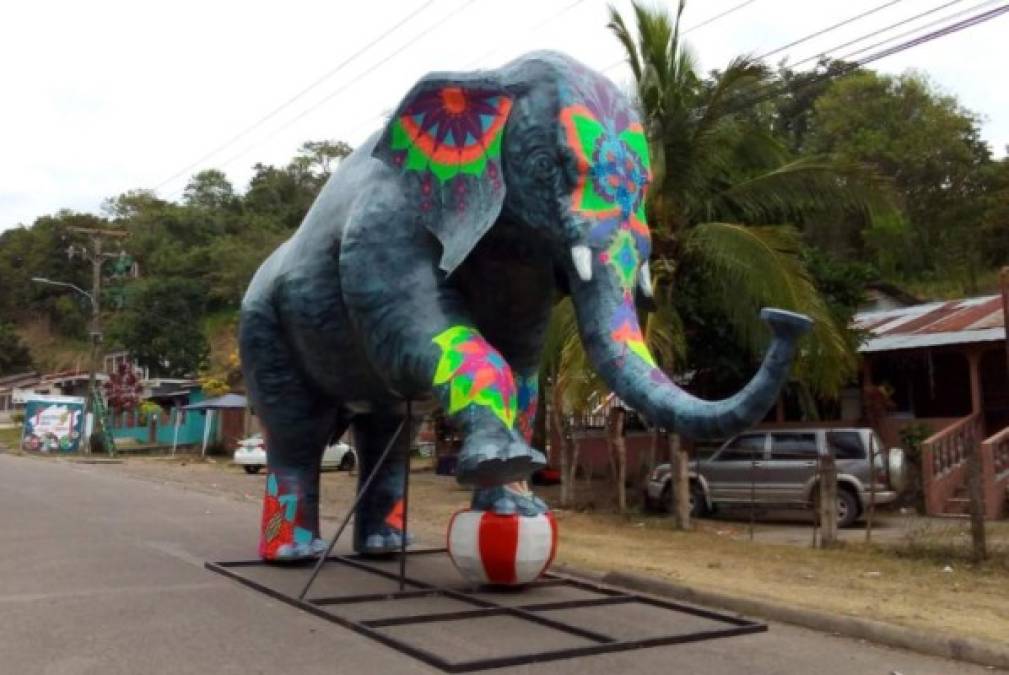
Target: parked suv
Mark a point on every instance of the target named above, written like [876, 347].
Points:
[778, 468]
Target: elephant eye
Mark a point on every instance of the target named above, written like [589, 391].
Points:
[543, 166]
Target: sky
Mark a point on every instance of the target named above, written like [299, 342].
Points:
[106, 96]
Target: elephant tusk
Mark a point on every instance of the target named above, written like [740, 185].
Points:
[581, 255]
[645, 279]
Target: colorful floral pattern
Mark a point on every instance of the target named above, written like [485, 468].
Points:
[282, 521]
[473, 372]
[528, 397]
[613, 174]
[451, 130]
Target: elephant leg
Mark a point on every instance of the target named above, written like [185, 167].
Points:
[378, 522]
[297, 424]
[419, 334]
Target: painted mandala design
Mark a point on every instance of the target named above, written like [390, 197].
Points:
[475, 373]
[451, 130]
[613, 175]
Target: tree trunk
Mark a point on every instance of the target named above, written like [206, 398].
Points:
[618, 454]
[680, 478]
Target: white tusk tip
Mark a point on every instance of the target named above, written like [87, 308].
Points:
[581, 256]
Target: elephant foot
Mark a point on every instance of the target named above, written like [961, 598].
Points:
[487, 460]
[298, 551]
[387, 540]
[507, 500]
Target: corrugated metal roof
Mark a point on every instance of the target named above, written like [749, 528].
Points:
[933, 324]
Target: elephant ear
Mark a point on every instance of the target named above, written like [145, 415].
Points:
[445, 138]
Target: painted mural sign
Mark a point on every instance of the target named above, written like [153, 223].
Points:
[53, 423]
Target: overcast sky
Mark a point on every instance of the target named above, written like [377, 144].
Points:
[101, 97]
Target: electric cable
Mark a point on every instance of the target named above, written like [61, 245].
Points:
[915, 30]
[824, 31]
[903, 46]
[896, 25]
[375, 66]
[707, 21]
[273, 113]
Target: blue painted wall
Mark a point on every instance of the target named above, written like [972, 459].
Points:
[190, 432]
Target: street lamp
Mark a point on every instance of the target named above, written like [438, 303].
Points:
[96, 338]
[43, 280]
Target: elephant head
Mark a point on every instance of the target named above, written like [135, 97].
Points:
[557, 148]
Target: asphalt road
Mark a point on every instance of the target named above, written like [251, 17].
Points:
[103, 573]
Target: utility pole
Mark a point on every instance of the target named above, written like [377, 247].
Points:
[97, 257]
[1004, 279]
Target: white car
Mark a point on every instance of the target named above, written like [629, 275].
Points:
[251, 455]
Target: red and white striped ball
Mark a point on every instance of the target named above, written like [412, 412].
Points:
[488, 548]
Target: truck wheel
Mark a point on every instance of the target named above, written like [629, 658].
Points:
[348, 461]
[252, 468]
[847, 508]
[698, 505]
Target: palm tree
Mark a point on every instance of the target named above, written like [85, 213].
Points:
[726, 198]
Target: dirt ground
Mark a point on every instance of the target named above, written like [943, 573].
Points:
[915, 575]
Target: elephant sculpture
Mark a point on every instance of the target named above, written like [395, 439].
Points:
[426, 270]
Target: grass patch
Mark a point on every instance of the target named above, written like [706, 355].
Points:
[10, 437]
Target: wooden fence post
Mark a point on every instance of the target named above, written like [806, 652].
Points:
[618, 452]
[680, 482]
[975, 492]
[827, 507]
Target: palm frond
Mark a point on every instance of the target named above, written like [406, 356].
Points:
[619, 29]
[803, 187]
[759, 267]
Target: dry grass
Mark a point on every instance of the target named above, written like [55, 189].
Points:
[908, 588]
[51, 352]
[10, 437]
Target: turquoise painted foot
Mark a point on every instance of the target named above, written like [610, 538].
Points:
[296, 551]
[388, 540]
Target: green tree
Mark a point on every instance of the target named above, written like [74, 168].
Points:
[160, 326]
[210, 190]
[929, 145]
[14, 354]
[726, 198]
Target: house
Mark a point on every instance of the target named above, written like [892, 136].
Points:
[943, 365]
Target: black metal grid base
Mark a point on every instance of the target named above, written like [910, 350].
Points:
[598, 643]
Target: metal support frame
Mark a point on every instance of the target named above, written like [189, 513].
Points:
[597, 643]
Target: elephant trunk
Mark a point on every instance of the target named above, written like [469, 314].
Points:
[611, 335]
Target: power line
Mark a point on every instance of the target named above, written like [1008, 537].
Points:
[273, 113]
[915, 30]
[360, 76]
[707, 21]
[942, 32]
[718, 16]
[908, 44]
[532, 29]
[828, 29]
[896, 25]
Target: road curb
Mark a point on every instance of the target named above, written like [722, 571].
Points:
[970, 650]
